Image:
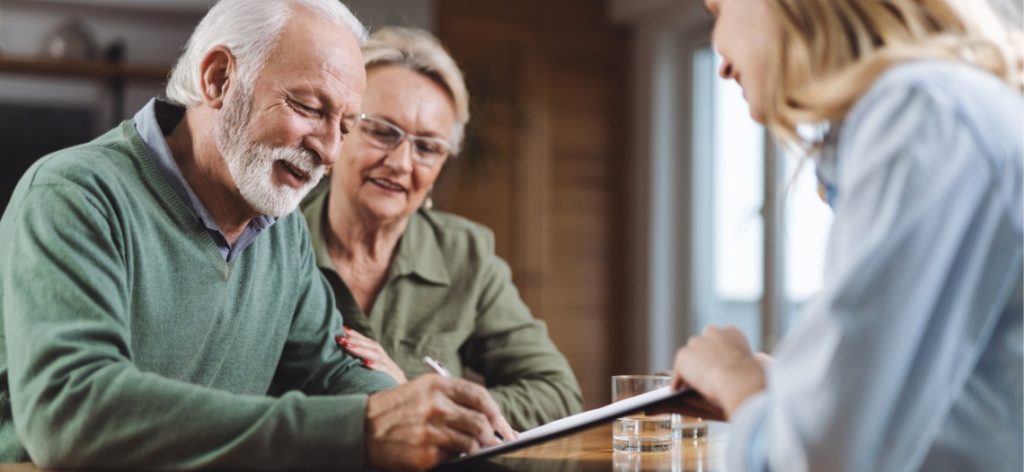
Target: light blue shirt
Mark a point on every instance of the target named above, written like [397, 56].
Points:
[156, 120]
[911, 356]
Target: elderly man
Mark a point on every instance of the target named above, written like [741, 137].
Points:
[160, 301]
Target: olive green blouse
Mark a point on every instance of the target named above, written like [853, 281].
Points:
[447, 295]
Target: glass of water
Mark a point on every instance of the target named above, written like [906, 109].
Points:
[639, 432]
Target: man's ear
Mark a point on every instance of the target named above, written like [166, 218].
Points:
[215, 75]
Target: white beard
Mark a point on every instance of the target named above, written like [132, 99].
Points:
[251, 164]
[252, 168]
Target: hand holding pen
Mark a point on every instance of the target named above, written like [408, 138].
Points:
[443, 372]
[429, 420]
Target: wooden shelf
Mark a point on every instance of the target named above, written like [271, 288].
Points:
[81, 68]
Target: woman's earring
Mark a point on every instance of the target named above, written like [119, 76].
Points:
[428, 203]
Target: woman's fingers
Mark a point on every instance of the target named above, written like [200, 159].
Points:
[361, 346]
[355, 348]
[372, 354]
[356, 339]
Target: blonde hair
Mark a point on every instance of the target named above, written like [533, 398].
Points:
[420, 51]
[831, 51]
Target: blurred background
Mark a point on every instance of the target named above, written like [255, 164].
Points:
[628, 189]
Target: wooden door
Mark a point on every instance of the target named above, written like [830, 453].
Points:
[544, 164]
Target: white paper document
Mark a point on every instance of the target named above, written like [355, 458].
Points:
[613, 410]
[579, 421]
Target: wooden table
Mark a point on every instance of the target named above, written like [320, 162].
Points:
[591, 450]
[586, 451]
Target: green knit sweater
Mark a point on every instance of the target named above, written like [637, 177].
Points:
[128, 341]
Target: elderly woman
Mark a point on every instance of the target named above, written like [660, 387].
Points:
[413, 282]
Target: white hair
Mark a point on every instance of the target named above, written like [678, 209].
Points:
[421, 52]
[249, 29]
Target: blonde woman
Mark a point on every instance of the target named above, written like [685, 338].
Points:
[413, 282]
[910, 357]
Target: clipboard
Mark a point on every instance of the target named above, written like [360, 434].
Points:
[687, 402]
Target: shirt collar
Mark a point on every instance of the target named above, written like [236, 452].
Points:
[418, 252]
[826, 166]
[155, 121]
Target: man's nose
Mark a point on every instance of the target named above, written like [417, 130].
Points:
[325, 141]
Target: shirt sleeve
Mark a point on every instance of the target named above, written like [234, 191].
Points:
[77, 399]
[524, 371]
[918, 260]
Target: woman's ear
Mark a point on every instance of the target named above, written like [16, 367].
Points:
[215, 74]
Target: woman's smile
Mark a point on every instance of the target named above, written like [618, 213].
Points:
[387, 185]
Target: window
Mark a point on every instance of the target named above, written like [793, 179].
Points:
[735, 179]
[807, 220]
[738, 176]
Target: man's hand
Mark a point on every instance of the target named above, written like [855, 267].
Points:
[429, 420]
[720, 365]
[372, 354]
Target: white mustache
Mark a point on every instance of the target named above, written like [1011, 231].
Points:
[302, 159]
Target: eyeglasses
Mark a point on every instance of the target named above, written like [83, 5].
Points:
[427, 151]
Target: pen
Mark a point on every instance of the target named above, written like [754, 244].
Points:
[440, 370]
[436, 367]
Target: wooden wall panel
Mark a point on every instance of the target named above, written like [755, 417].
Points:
[544, 163]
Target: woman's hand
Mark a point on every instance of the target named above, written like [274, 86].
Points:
[719, 365]
[371, 353]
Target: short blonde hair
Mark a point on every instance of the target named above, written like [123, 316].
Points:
[831, 51]
[422, 52]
